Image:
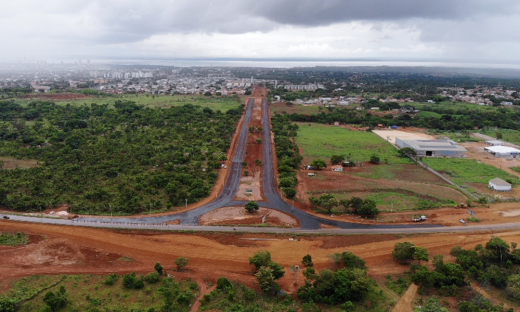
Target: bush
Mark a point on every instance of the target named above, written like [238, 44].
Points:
[152, 278]
[111, 279]
[375, 159]
[130, 280]
[289, 192]
[252, 206]
[223, 284]
[403, 252]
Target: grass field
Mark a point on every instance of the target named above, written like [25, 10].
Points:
[12, 239]
[455, 136]
[322, 141]
[90, 293]
[223, 103]
[508, 135]
[396, 201]
[462, 171]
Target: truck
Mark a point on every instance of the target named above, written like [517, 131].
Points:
[418, 218]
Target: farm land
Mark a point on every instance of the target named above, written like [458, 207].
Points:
[396, 184]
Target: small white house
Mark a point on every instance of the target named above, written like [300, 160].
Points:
[500, 185]
[337, 168]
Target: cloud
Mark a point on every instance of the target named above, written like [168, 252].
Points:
[328, 28]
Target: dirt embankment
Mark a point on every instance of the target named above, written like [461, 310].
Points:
[68, 250]
[239, 216]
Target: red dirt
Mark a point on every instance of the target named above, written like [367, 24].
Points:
[239, 216]
[75, 250]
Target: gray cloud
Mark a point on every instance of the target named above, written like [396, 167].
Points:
[96, 26]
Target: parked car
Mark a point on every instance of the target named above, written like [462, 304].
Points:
[6, 217]
[462, 221]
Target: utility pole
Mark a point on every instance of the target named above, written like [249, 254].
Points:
[186, 204]
[109, 205]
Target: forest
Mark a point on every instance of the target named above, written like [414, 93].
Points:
[122, 160]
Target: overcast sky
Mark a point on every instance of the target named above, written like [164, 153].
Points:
[482, 31]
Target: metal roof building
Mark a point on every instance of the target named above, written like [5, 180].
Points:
[498, 184]
[433, 148]
[503, 151]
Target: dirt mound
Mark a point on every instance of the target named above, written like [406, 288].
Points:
[239, 216]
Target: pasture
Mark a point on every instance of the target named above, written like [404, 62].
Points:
[463, 171]
[323, 141]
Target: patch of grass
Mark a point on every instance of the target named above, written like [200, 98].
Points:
[223, 103]
[399, 285]
[125, 258]
[13, 163]
[462, 171]
[456, 136]
[399, 200]
[508, 135]
[322, 141]
[96, 296]
[12, 239]
[473, 219]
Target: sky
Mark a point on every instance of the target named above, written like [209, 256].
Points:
[471, 31]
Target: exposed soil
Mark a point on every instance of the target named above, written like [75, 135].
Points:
[239, 216]
[67, 250]
[253, 181]
[405, 304]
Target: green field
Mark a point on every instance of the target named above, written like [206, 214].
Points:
[298, 109]
[12, 239]
[223, 103]
[462, 171]
[508, 135]
[90, 293]
[322, 141]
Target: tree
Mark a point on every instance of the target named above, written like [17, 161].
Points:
[499, 135]
[252, 206]
[356, 203]
[350, 260]
[262, 258]
[159, 268]
[259, 259]
[56, 300]
[421, 253]
[289, 192]
[375, 159]
[328, 201]
[181, 262]
[7, 305]
[499, 249]
[403, 252]
[369, 209]
[319, 163]
[266, 280]
[513, 287]
[307, 261]
[337, 159]
[407, 151]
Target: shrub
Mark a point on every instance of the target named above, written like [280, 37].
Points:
[111, 279]
[223, 283]
[152, 278]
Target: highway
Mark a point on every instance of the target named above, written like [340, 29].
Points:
[308, 223]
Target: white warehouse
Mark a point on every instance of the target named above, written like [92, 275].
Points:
[500, 185]
[503, 151]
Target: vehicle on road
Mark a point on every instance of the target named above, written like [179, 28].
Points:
[462, 221]
[6, 217]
